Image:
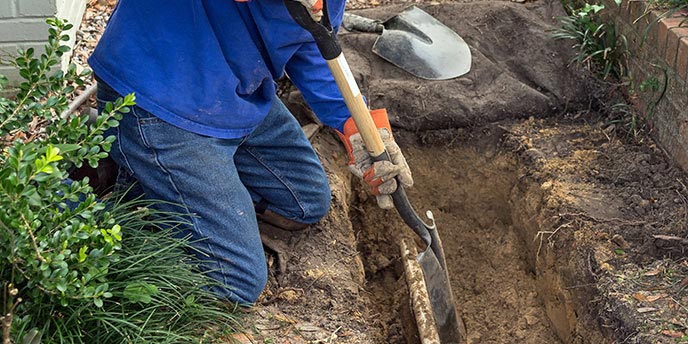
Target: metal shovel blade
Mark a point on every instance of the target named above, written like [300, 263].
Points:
[434, 267]
[418, 43]
[433, 264]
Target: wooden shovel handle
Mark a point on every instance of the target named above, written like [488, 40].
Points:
[326, 39]
[356, 105]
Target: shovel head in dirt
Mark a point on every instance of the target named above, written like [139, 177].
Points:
[432, 260]
[434, 266]
[417, 43]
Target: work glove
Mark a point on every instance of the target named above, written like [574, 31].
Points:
[314, 7]
[379, 175]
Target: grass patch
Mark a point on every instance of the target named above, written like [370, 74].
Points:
[599, 47]
[157, 293]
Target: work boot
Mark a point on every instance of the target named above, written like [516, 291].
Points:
[280, 221]
[276, 233]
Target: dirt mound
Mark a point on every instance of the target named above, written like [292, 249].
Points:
[518, 70]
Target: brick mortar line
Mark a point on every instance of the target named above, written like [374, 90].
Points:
[665, 45]
[664, 35]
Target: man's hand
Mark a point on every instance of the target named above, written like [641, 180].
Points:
[380, 175]
[314, 7]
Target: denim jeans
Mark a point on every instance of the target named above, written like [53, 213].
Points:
[214, 184]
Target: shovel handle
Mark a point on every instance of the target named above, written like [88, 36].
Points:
[356, 105]
[329, 47]
[354, 22]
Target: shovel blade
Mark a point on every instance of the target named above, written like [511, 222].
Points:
[420, 44]
[441, 298]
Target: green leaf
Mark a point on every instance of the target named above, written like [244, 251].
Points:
[52, 154]
[61, 286]
[82, 254]
[32, 337]
[67, 147]
[140, 292]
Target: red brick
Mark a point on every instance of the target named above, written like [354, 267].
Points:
[651, 36]
[663, 32]
[665, 23]
[682, 59]
[675, 34]
[636, 10]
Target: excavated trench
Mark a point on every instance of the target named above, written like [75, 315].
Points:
[504, 292]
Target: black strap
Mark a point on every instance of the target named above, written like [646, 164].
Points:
[261, 206]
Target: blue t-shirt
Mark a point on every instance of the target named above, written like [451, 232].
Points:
[208, 66]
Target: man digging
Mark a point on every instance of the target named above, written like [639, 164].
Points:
[210, 138]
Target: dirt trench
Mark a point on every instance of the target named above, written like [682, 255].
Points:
[502, 294]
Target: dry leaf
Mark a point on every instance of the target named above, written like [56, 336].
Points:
[654, 272]
[242, 338]
[653, 298]
[646, 309]
[684, 283]
[284, 319]
[639, 297]
[676, 322]
[307, 327]
[673, 334]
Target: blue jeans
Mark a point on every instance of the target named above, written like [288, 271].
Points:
[214, 184]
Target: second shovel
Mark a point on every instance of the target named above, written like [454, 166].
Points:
[416, 42]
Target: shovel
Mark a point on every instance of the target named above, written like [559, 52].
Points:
[417, 43]
[431, 260]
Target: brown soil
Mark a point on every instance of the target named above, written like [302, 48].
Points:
[555, 230]
[467, 186]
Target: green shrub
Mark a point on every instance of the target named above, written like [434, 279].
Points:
[75, 269]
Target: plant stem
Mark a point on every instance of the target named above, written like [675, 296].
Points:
[43, 71]
[33, 237]
[6, 326]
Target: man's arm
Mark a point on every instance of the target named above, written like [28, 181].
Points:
[309, 72]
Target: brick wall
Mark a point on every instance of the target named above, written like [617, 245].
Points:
[658, 46]
[22, 25]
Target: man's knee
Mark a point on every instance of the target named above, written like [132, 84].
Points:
[311, 212]
[320, 206]
[254, 285]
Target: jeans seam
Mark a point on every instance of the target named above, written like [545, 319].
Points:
[197, 228]
[279, 177]
[140, 129]
[121, 151]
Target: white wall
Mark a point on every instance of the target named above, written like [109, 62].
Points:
[22, 25]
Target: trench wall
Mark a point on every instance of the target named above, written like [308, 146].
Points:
[658, 69]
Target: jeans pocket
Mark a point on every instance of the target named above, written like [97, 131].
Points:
[145, 118]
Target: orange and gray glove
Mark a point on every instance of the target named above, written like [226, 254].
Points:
[314, 7]
[380, 175]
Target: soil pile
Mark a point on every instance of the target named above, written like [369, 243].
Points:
[518, 70]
